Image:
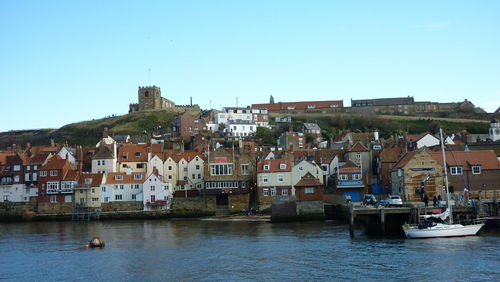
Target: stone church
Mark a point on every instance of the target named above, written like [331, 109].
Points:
[150, 99]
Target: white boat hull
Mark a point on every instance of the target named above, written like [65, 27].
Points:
[442, 231]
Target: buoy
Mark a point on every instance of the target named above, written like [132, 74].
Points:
[96, 242]
[86, 246]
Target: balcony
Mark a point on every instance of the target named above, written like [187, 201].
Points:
[60, 191]
[350, 184]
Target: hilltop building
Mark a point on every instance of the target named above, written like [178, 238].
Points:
[149, 98]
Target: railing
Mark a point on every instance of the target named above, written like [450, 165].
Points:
[60, 191]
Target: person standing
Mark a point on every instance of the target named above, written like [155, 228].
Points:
[426, 200]
[439, 200]
[434, 201]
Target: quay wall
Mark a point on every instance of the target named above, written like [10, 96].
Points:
[193, 207]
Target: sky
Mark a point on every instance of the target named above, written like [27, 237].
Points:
[69, 61]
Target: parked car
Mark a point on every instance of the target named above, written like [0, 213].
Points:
[392, 201]
[369, 199]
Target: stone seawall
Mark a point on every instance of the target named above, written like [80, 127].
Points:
[193, 207]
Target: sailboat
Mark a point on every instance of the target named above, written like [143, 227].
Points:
[441, 230]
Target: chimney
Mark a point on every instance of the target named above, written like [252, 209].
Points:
[52, 143]
[191, 101]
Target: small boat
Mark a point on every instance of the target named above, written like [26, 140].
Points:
[430, 229]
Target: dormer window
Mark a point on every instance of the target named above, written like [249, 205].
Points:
[53, 173]
[119, 177]
[476, 169]
[266, 167]
[88, 181]
[43, 173]
[282, 166]
[456, 170]
[137, 154]
[311, 106]
[137, 176]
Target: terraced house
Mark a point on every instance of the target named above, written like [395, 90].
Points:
[133, 158]
[123, 187]
[274, 178]
[229, 176]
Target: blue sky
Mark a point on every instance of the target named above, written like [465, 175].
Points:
[68, 61]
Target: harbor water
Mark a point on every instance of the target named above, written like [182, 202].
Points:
[228, 250]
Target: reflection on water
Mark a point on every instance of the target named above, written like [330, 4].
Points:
[212, 250]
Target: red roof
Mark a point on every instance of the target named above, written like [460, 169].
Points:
[187, 155]
[300, 105]
[485, 159]
[39, 158]
[308, 180]
[96, 179]
[390, 154]
[416, 137]
[55, 163]
[126, 178]
[404, 160]
[358, 147]
[133, 153]
[274, 165]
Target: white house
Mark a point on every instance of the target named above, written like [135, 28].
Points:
[302, 168]
[155, 163]
[68, 153]
[240, 128]
[17, 193]
[123, 187]
[156, 193]
[105, 160]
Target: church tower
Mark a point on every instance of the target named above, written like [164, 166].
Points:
[149, 98]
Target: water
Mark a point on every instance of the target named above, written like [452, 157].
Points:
[213, 250]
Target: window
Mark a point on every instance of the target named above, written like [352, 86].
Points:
[28, 167]
[106, 199]
[17, 167]
[309, 190]
[280, 177]
[118, 177]
[35, 167]
[53, 173]
[103, 189]
[290, 108]
[199, 175]
[35, 178]
[169, 176]
[93, 190]
[193, 176]
[324, 167]
[102, 162]
[95, 200]
[137, 176]
[197, 167]
[476, 169]
[273, 191]
[16, 178]
[137, 154]
[311, 106]
[185, 169]
[118, 197]
[265, 178]
[88, 181]
[26, 177]
[169, 167]
[343, 177]
[134, 196]
[136, 186]
[52, 186]
[153, 198]
[284, 191]
[221, 169]
[266, 167]
[282, 166]
[265, 192]
[68, 199]
[456, 170]
[122, 187]
[53, 199]
[377, 147]
[356, 176]
[333, 106]
[5, 198]
[244, 169]
[139, 165]
[98, 162]
[152, 188]
[400, 172]
[358, 156]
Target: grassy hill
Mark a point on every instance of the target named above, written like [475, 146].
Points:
[89, 132]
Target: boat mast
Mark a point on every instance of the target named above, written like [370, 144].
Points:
[445, 175]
